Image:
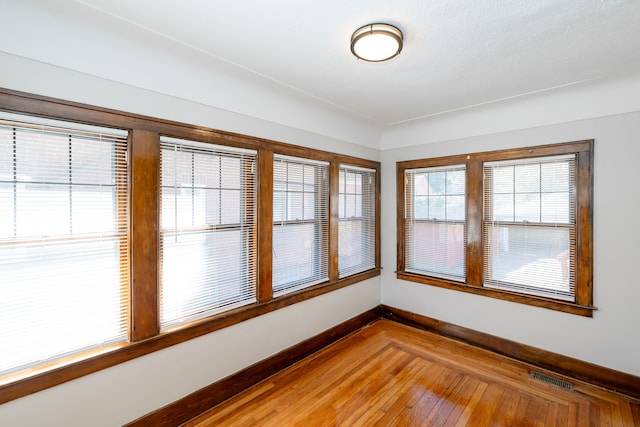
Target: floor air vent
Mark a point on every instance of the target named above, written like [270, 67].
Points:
[550, 380]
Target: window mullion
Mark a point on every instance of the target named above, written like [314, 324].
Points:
[265, 225]
[474, 213]
[145, 173]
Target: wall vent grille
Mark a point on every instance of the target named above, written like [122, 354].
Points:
[550, 380]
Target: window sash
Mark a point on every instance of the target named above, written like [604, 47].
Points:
[208, 230]
[300, 224]
[64, 247]
[530, 226]
[435, 227]
[357, 222]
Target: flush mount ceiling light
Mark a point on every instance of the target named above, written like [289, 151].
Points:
[376, 42]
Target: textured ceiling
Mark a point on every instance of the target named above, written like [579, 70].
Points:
[457, 54]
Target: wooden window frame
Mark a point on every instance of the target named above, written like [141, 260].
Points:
[583, 304]
[144, 230]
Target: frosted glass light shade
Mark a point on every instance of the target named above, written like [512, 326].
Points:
[376, 42]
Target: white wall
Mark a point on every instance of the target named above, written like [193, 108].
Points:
[125, 392]
[611, 337]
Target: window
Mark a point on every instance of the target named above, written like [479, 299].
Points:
[512, 224]
[300, 223]
[530, 225]
[63, 239]
[208, 242]
[357, 230]
[435, 221]
[133, 234]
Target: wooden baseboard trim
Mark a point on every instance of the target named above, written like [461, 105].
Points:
[206, 398]
[610, 379]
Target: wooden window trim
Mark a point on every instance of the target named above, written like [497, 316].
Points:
[583, 304]
[144, 156]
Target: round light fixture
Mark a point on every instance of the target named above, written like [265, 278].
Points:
[376, 42]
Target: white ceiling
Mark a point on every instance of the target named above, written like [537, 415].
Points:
[457, 54]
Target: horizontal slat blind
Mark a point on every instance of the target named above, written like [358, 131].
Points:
[357, 229]
[530, 226]
[64, 255]
[208, 238]
[300, 223]
[435, 230]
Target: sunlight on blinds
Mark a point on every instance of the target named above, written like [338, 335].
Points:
[300, 223]
[530, 226]
[208, 238]
[435, 221]
[357, 229]
[63, 239]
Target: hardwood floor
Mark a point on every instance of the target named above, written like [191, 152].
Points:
[388, 374]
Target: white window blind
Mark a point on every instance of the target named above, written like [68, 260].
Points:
[300, 223]
[530, 226]
[208, 238]
[435, 222]
[357, 229]
[63, 239]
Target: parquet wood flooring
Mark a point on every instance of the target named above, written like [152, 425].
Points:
[388, 374]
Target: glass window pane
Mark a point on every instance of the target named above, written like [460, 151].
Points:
[42, 157]
[293, 253]
[295, 207]
[437, 208]
[230, 173]
[527, 178]
[531, 257]
[438, 249]
[295, 177]
[527, 207]
[421, 207]
[206, 170]
[42, 210]
[455, 208]
[437, 181]
[555, 177]
[93, 209]
[456, 182]
[230, 206]
[503, 180]
[91, 162]
[555, 207]
[503, 207]
[421, 184]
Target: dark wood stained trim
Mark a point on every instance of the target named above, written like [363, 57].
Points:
[265, 225]
[197, 402]
[610, 379]
[42, 106]
[584, 211]
[400, 216]
[145, 178]
[473, 255]
[533, 300]
[583, 305]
